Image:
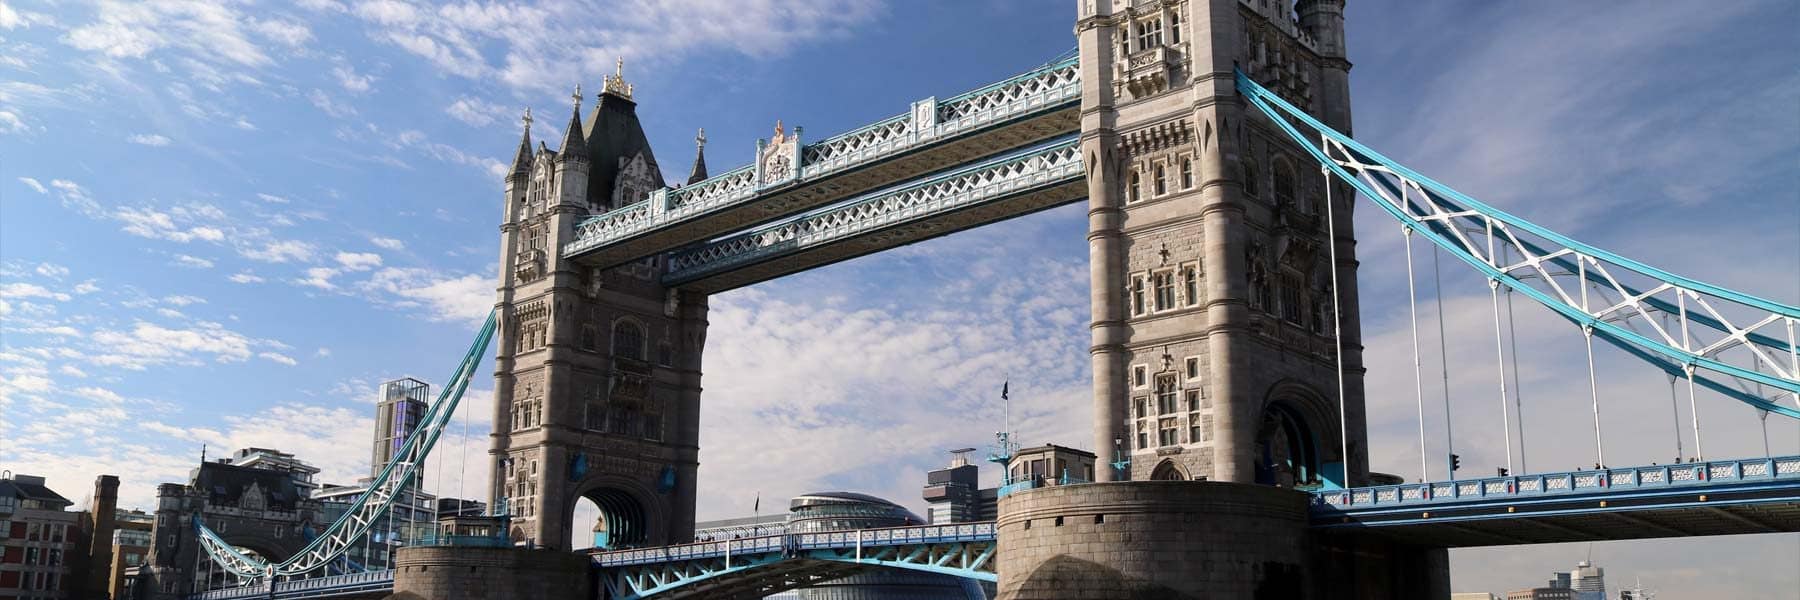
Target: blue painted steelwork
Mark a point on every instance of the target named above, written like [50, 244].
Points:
[1052, 87]
[1441, 214]
[1051, 163]
[383, 491]
[1683, 478]
[334, 586]
[961, 550]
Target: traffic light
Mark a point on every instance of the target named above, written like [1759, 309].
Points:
[1500, 471]
[1455, 462]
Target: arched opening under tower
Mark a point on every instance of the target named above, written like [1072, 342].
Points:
[607, 519]
[1168, 471]
[1287, 449]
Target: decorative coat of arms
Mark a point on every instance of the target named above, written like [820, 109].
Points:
[776, 157]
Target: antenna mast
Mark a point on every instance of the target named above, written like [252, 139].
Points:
[1004, 446]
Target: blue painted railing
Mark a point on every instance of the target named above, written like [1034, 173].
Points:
[1569, 483]
[890, 536]
[317, 587]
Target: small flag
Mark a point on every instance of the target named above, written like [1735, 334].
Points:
[1003, 386]
[757, 507]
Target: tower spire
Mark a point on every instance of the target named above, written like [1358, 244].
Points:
[699, 173]
[522, 160]
[574, 144]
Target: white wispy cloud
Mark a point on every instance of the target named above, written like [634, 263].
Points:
[272, 199]
[193, 261]
[319, 277]
[387, 243]
[444, 297]
[245, 277]
[331, 106]
[33, 184]
[351, 80]
[148, 139]
[52, 270]
[543, 46]
[19, 290]
[477, 112]
[358, 261]
[10, 122]
[278, 357]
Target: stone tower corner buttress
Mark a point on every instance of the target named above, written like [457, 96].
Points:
[597, 367]
[1212, 348]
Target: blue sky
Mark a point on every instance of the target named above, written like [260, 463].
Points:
[224, 223]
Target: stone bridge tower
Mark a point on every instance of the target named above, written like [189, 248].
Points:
[1212, 308]
[597, 372]
[1214, 356]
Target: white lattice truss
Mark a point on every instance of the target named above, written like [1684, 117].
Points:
[1056, 162]
[1745, 346]
[371, 505]
[1051, 87]
[961, 550]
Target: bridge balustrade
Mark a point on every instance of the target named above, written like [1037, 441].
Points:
[316, 587]
[1051, 163]
[1574, 482]
[1052, 85]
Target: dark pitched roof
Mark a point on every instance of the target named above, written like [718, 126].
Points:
[225, 484]
[25, 490]
[522, 161]
[698, 174]
[613, 132]
[574, 144]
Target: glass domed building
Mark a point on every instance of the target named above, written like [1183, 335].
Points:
[840, 511]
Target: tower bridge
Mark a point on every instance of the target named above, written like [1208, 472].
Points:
[1211, 142]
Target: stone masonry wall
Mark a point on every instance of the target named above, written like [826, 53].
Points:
[1167, 540]
[461, 573]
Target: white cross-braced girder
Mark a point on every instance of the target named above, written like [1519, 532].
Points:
[1742, 346]
[386, 487]
[960, 550]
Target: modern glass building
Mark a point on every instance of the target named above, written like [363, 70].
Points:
[839, 511]
[399, 407]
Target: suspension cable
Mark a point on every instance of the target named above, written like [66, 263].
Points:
[1500, 353]
[1675, 409]
[1412, 303]
[1512, 336]
[1437, 290]
[1694, 411]
[1337, 325]
[462, 466]
[1587, 336]
[1499, 347]
[1693, 406]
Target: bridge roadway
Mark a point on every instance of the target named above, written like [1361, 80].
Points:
[1728, 497]
[934, 135]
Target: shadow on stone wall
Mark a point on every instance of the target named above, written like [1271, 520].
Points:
[1065, 577]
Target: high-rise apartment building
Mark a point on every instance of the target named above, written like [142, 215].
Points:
[399, 407]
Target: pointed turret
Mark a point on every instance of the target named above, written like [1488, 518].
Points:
[574, 145]
[522, 162]
[699, 173]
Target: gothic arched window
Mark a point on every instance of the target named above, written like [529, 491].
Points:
[1162, 186]
[1131, 189]
[628, 341]
[1284, 182]
[1252, 187]
[1187, 173]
